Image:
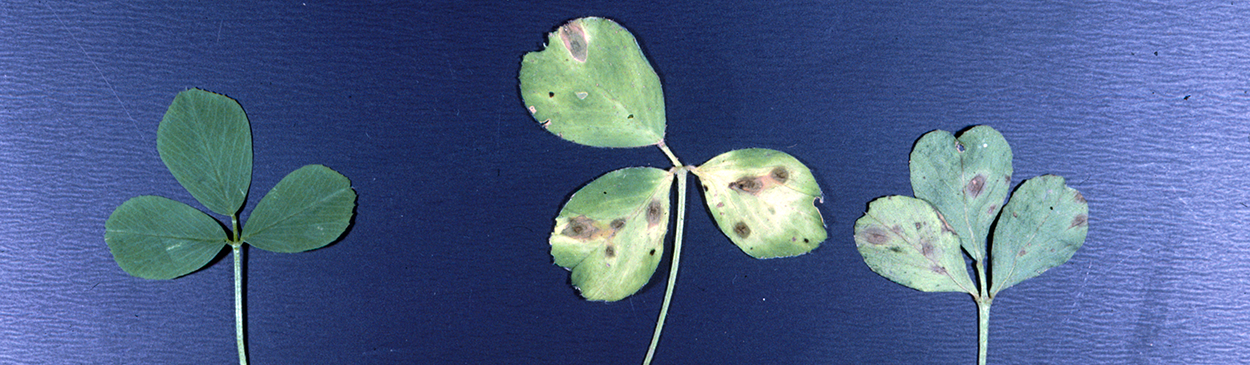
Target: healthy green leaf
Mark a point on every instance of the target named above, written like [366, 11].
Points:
[206, 142]
[966, 179]
[610, 234]
[763, 200]
[156, 238]
[1041, 227]
[906, 240]
[308, 209]
[593, 86]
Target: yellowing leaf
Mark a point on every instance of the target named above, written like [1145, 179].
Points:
[610, 234]
[763, 200]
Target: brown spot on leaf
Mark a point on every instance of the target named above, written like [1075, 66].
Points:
[1079, 220]
[749, 185]
[975, 186]
[875, 235]
[918, 225]
[653, 252]
[1022, 253]
[1079, 198]
[780, 174]
[617, 224]
[655, 213]
[742, 230]
[937, 270]
[574, 38]
[580, 227]
[990, 211]
[609, 251]
[897, 229]
[928, 250]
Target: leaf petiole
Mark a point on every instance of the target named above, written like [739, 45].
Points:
[672, 272]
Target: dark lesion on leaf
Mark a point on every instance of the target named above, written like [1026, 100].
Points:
[780, 174]
[975, 186]
[580, 227]
[574, 38]
[655, 213]
[609, 251]
[742, 230]
[938, 270]
[1079, 198]
[876, 236]
[1079, 220]
[617, 224]
[750, 185]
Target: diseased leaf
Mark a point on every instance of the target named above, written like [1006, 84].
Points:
[1041, 227]
[308, 209]
[966, 179]
[610, 234]
[763, 200]
[906, 240]
[156, 238]
[593, 86]
[206, 142]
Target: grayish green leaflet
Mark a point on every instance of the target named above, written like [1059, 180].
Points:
[967, 179]
[905, 240]
[206, 142]
[610, 234]
[593, 86]
[156, 238]
[1042, 227]
[763, 201]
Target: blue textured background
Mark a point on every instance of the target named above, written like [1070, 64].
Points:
[1142, 105]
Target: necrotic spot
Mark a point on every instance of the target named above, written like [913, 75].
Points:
[1079, 220]
[742, 230]
[876, 236]
[975, 186]
[655, 213]
[609, 252]
[780, 174]
[749, 185]
[580, 227]
[617, 224]
[1079, 198]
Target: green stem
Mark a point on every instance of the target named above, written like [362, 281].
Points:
[672, 272]
[983, 316]
[671, 157]
[236, 248]
[238, 301]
